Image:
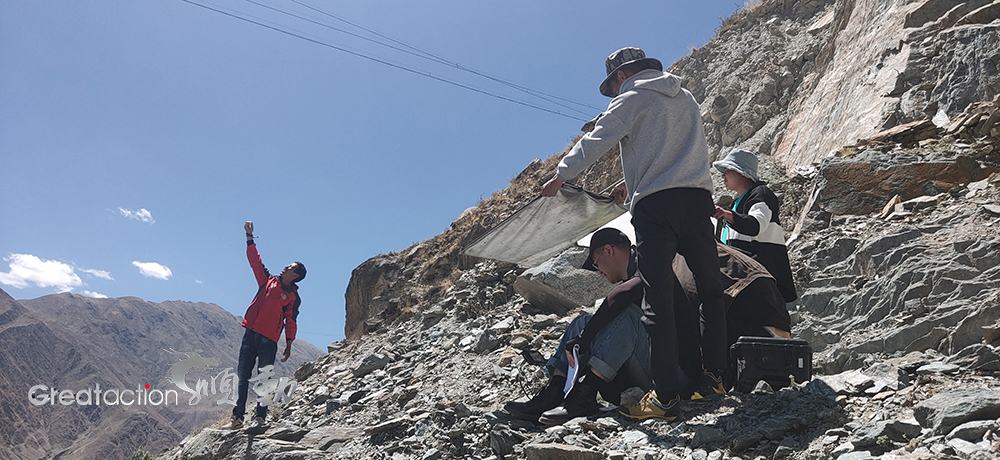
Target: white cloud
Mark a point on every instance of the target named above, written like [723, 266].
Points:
[102, 274]
[141, 215]
[96, 295]
[197, 281]
[27, 269]
[153, 270]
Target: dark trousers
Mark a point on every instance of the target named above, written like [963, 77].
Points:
[255, 347]
[666, 223]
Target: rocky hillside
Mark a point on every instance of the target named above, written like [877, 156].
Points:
[879, 126]
[71, 342]
[899, 304]
[793, 80]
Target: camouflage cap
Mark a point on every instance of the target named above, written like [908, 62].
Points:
[623, 57]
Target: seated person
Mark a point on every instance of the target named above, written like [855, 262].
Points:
[754, 307]
[753, 224]
[612, 345]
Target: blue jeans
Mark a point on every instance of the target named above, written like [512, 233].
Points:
[255, 347]
[621, 345]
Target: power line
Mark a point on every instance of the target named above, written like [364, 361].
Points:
[378, 60]
[433, 57]
[417, 52]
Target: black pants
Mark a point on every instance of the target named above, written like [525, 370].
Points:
[666, 223]
[255, 347]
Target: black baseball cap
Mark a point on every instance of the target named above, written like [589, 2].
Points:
[602, 237]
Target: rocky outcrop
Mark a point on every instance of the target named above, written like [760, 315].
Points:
[865, 182]
[560, 285]
[749, 78]
[926, 280]
[798, 80]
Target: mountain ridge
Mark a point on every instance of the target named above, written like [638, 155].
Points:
[119, 344]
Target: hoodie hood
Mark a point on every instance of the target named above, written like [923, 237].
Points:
[664, 83]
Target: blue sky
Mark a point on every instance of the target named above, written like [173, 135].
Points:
[136, 137]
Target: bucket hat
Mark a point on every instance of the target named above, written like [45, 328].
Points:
[741, 161]
[623, 57]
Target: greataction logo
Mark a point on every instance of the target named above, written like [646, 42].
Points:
[269, 389]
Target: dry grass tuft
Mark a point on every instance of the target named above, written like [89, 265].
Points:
[749, 9]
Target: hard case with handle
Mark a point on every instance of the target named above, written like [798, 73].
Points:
[772, 359]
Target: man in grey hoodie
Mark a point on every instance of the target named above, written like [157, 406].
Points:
[666, 164]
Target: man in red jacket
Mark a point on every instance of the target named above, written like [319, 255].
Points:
[275, 307]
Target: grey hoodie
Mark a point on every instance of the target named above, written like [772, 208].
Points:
[662, 138]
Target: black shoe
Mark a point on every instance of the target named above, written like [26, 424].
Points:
[709, 386]
[550, 397]
[580, 402]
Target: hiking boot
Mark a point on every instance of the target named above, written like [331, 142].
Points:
[651, 407]
[580, 402]
[709, 386]
[550, 397]
[257, 426]
[235, 423]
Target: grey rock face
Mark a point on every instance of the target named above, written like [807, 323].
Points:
[898, 287]
[886, 377]
[324, 438]
[559, 452]
[973, 431]
[946, 410]
[370, 363]
[939, 368]
[559, 285]
[706, 435]
[502, 441]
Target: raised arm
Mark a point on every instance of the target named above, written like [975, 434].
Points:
[259, 272]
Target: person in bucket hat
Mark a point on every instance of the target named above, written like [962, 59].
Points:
[657, 125]
[633, 57]
[753, 224]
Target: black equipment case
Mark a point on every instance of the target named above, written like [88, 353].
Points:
[772, 359]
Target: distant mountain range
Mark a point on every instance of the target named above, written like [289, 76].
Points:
[113, 348]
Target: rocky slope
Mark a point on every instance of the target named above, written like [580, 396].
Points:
[792, 80]
[71, 342]
[880, 130]
[901, 311]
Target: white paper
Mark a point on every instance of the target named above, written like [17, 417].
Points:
[571, 374]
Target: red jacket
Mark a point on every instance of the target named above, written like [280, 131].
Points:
[272, 309]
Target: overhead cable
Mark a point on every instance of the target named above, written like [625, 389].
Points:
[433, 57]
[317, 41]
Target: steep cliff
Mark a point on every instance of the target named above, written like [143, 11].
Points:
[798, 80]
